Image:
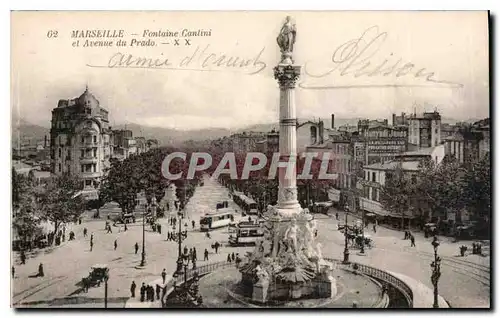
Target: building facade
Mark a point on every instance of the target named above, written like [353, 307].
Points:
[424, 130]
[80, 139]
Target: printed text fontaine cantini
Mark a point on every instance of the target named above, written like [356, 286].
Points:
[145, 33]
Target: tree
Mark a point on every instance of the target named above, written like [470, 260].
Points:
[59, 202]
[397, 192]
[440, 187]
[477, 187]
[122, 183]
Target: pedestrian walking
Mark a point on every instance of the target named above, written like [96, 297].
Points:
[374, 228]
[185, 250]
[216, 247]
[337, 216]
[125, 228]
[40, 270]
[136, 247]
[193, 223]
[229, 258]
[163, 275]
[412, 238]
[238, 260]
[132, 289]
[109, 229]
[116, 244]
[85, 232]
[91, 245]
[23, 258]
[92, 237]
[195, 257]
[233, 257]
[205, 258]
[158, 290]
[13, 272]
[143, 292]
[151, 293]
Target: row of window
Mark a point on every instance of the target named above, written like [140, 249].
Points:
[83, 153]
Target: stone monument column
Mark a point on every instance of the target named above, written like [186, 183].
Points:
[287, 75]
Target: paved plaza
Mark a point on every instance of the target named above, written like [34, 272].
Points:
[464, 282]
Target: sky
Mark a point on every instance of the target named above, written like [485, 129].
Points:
[353, 64]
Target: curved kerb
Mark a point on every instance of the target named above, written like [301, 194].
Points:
[365, 269]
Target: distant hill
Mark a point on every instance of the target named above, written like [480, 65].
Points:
[23, 131]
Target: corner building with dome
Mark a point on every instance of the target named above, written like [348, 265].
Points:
[80, 139]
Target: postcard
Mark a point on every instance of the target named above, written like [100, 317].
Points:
[250, 159]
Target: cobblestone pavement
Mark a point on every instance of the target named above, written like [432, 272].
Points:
[464, 282]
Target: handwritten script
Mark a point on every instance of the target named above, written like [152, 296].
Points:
[356, 57]
[199, 60]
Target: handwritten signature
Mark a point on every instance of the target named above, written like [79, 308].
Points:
[199, 60]
[355, 58]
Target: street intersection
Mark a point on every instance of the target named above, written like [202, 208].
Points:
[465, 281]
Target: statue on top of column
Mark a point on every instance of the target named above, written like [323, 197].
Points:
[286, 38]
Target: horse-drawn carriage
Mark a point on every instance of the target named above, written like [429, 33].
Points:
[355, 235]
[98, 274]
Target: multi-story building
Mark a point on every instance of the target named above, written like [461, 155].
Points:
[375, 176]
[424, 130]
[124, 144]
[383, 143]
[469, 143]
[80, 139]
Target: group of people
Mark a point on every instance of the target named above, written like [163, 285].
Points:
[232, 258]
[147, 292]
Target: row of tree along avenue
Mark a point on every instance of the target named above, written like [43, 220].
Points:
[442, 192]
[56, 200]
[264, 190]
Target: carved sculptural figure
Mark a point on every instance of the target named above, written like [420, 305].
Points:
[286, 38]
[291, 235]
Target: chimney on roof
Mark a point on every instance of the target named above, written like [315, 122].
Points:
[333, 121]
[45, 141]
[394, 119]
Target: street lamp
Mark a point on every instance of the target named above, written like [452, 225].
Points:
[346, 248]
[143, 254]
[362, 251]
[106, 277]
[436, 271]
[180, 237]
[186, 263]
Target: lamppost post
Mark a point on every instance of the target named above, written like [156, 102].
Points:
[346, 249]
[143, 254]
[362, 251]
[179, 257]
[106, 277]
[436, 271]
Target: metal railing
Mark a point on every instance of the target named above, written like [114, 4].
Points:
[379, 274]
[365, 269]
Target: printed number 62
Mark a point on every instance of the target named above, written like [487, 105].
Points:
[52, 34]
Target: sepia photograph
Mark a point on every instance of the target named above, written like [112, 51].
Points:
[310, 159]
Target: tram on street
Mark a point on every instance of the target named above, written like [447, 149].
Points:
[247, 233]
[247, 204]
[221, 218]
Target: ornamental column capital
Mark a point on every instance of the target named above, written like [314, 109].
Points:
[287, 75]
